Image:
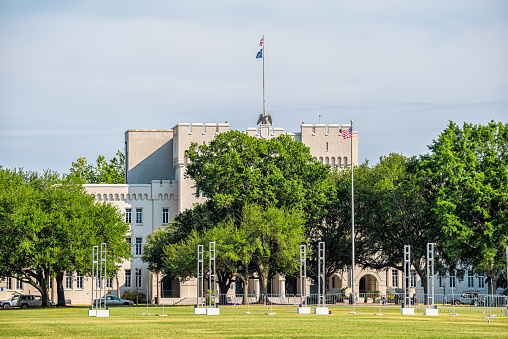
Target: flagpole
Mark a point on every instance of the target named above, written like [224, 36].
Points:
[352, 220]
[263, 56]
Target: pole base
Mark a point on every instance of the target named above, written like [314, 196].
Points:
[200, 310]
[431, 311]
[407, 311]
[303, 310]
[212, 311]
[102, 313]
[321, 310]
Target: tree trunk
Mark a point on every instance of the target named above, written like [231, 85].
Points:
[60, 289]
[263, 281]
[245, 280]
[44, 284]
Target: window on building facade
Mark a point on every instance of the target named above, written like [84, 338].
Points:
[165, 216]
[139, 242]
[79, 281]
[138, 278]
[139, 216]
[395, 278]
[109, 283]
[470, 279]
[413, 278]
[440, 280]
[481, 280]
[19, 284]
[9, 283]
[127, 278]
[128, 215]
[452, 280]
[68, 280]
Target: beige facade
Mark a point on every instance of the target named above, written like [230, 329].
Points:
[156, 190]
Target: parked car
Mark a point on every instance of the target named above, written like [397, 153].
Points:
[115, 301]
[468, 298]
[12, 302]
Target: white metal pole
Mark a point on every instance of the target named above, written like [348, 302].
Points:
[263, 57]
[352, 221]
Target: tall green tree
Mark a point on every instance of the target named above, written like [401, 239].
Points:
[265, 241]
[103, 172]
[48, 227]
[180, 259]
[393, 209]
[468, 167]
[235, 170]
[276, 235]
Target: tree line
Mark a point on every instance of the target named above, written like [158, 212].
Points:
[266, 197]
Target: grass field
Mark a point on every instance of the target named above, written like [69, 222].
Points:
[181, 322]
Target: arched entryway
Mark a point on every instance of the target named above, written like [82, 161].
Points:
[368, 283]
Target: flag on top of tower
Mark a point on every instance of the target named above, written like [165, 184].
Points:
[347, 133]
[261, 41]
[260, 54]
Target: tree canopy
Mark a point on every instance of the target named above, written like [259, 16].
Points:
[468, 167]
[104, 172]
[48, 227]
[235, 170]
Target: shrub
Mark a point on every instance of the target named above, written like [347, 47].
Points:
[131, 295]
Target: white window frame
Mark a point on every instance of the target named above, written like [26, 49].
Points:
[138, 277]
[395, 278]
[481, 281]
[138, 247]
[470, 279]
[9, 283]
[441, 280]
[139, 216]
[128, 215]
[413, 278]
[19, 284]
[128, 279]
[79, 281]
[68, 281]
[165, 216]
[109, 283]
[453, 281]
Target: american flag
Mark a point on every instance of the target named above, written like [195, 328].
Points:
[261, 42]
[347, 133]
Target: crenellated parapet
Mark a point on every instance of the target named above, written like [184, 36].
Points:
[184, 134]
[327, 144]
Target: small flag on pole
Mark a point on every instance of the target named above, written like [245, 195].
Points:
[260, 54]
[348, 133]
[261, 42]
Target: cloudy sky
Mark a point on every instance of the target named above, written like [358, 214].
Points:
[75, 75]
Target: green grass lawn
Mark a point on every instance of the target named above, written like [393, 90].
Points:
[181, 322]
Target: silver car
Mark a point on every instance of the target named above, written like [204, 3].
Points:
[115, 301]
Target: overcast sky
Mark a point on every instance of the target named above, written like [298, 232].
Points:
[75, 75]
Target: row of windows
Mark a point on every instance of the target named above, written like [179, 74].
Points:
[128, 278]
[19, 284]
[139, 216]
[452, 281]
[340, 162]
